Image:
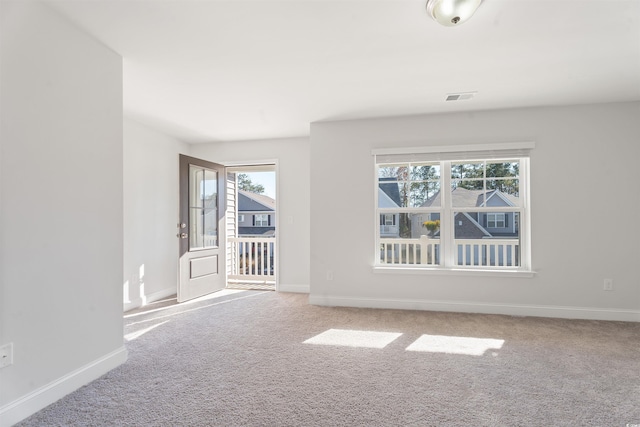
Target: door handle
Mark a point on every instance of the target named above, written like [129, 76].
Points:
[183, 235]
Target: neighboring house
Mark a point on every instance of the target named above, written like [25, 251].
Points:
[256, 214]
[389, 197]
[474, 225]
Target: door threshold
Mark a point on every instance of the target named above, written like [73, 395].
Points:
[252, 286]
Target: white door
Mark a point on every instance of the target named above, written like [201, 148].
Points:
[201, 228]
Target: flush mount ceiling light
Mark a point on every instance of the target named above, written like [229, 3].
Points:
[452, 12]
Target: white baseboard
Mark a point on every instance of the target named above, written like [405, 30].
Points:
[589, 313]
[31, 403]
[302, 289]
[156, 296]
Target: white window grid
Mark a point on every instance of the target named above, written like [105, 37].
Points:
[262, 220]
[496, 220]
[447, 211]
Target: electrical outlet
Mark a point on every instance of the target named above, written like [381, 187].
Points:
[6, 355]
[329, 275]
[608, 285]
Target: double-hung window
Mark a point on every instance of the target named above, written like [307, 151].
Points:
[464, 207]
[261, 220]
[496, 220]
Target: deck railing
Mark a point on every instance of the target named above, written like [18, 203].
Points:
[488, 252]
[410, 251]
[468, 252]
[252, 259]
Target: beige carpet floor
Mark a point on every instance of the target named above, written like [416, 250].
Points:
[257, 358]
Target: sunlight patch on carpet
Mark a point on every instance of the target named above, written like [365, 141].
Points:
[133, 335]
[181, 307]
[351, 338]
[455, 345]
[218, 294]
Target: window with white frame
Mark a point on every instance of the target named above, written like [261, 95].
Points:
[240, 218]
[463, 209]
[261, 220]
[496, 220]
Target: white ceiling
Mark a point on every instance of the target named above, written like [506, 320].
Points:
[211, 70]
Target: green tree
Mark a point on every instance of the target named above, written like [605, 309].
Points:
[502, 176]
[424, 183]
[245, 183]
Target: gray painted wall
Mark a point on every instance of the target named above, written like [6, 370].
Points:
[61, 196]
[150, 214]
[571, 256]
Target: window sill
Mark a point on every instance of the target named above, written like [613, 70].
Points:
[453, 272]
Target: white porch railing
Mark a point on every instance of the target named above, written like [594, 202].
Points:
[488, 252]
[410, 251]
[252, 259]
[471, 252]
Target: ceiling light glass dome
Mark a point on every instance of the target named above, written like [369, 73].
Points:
[452, 12]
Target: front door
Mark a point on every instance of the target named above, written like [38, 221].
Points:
[201, 230]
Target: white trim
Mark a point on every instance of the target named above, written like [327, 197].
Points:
[442, 271]
[376, 211]
[447, 218]
[254, 165]
[565, 312]
[526, 253]
[265, 165]
[156, 296]
[31, 403]
[276, 261]
[448, 247]
[525, 145]
[300, 289]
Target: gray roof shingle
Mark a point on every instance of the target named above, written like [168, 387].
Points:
[253, 202]
[461, 197]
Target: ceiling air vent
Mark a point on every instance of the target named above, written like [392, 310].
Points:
[460, 96]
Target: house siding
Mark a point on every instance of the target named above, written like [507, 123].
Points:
[466, 229]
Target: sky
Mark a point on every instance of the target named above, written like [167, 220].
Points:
[267, 179]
